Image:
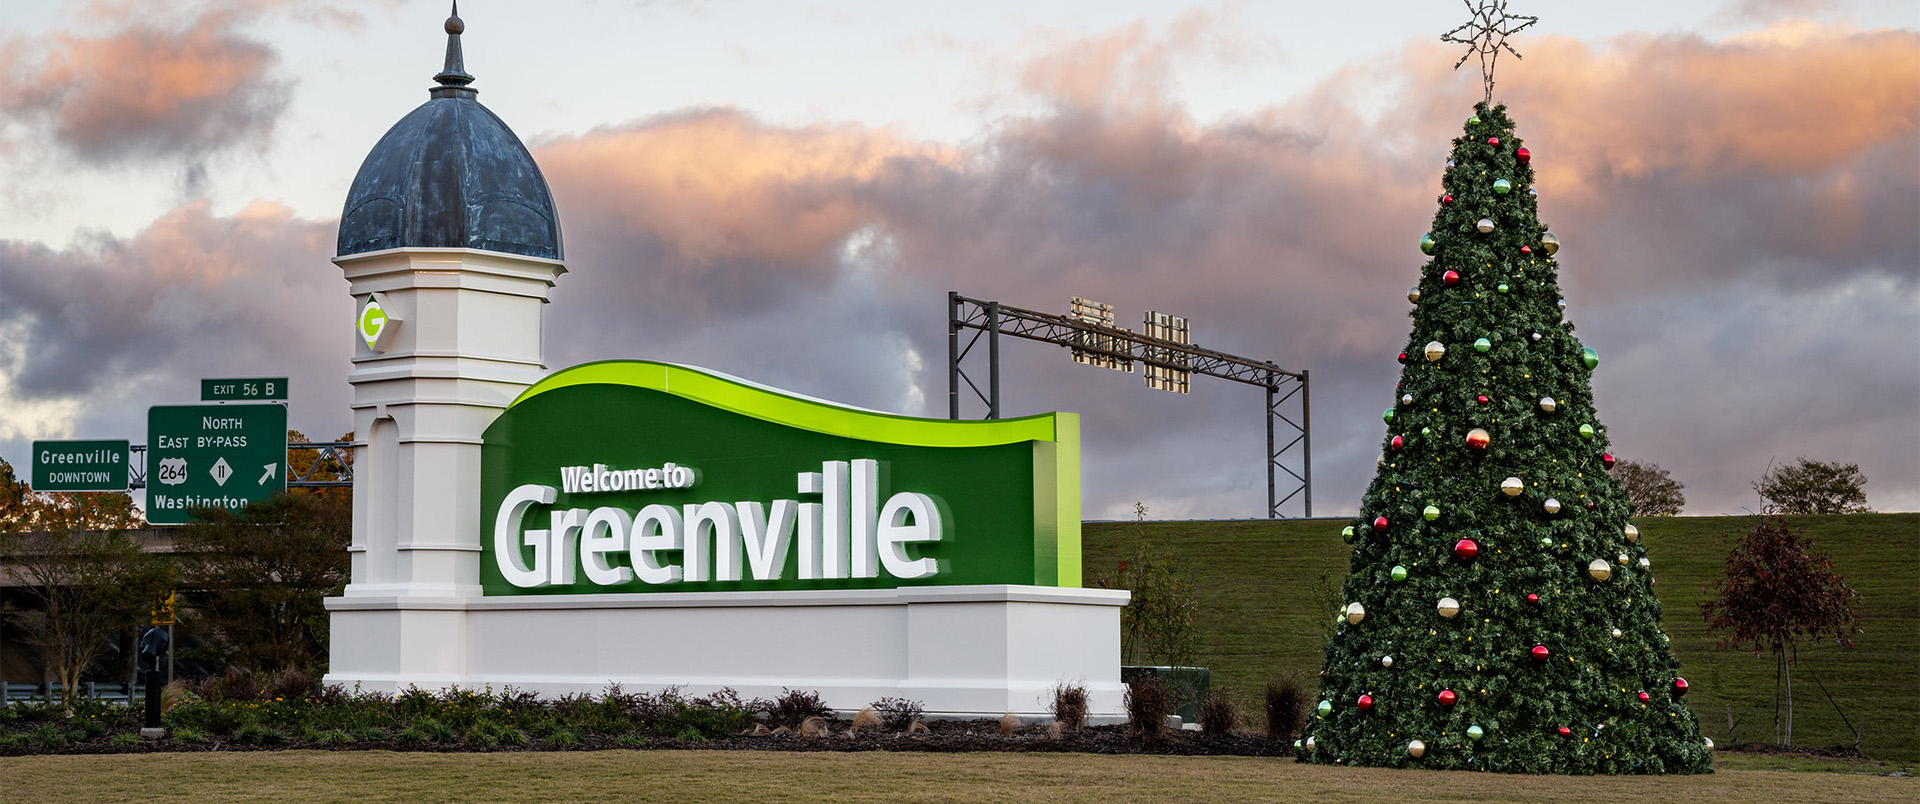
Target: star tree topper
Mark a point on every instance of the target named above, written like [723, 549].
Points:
[1487, 34]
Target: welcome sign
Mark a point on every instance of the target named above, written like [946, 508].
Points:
[640, 477]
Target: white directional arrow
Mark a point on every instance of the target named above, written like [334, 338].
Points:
[221, 471]
[271, 468]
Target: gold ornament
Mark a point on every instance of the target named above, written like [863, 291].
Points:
[1632, 533]
[1448, 607]
[1417, 749]
[1547, 404]
[1552, 505]
[1355, 613]
[1549, 244]
[1512, 487]
[1435, 350]
[1600, 569]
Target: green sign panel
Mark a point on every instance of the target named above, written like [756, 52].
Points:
[245, 389]
[79, 466]
[631, 476]
[221, 456]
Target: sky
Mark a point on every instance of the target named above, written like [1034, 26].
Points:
[786, 192]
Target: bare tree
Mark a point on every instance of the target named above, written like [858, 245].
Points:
[1650, 490]
[1814, 487]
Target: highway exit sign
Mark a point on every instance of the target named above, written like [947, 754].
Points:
[220, 456]
[244, 389]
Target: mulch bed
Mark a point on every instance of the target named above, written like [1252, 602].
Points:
[941, 737]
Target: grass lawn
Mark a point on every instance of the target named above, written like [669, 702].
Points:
[371, 777]
[1267, 591]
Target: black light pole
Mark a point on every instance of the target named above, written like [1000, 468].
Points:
[153, 645]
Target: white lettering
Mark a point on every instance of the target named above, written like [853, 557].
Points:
[595, 548]
[566, 543]
[833, 534]
[657, 528]
[766, 539]
[908, 517]
[506, 537]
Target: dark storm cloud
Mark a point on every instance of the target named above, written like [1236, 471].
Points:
[146, 91]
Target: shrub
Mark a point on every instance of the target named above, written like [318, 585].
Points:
[126, 738]
[793, 707]
[292, 684]
[1070, 706]
[238, 684]
[256, 734]
[1219, 715]
[1148, 705]
[1286, 708]
[563, 738]
[896, 714]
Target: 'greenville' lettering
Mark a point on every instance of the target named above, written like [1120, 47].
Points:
[850, 533]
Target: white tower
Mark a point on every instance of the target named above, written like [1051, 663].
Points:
[450, 242]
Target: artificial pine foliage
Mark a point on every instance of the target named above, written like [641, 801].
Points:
[1437, 524]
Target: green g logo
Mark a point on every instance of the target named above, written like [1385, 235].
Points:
[376, 325]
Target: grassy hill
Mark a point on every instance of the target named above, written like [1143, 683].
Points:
[1267, 592]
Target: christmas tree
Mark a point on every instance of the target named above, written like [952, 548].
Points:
[1500, 611]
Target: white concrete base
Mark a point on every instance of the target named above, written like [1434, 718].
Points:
[960, 650]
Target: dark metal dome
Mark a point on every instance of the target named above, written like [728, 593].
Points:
[450, 175]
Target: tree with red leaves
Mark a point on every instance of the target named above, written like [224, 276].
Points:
[1779, 588]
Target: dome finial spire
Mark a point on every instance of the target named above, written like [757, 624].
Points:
[453, 77]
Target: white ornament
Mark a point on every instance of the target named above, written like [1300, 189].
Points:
[1600, 569]
[1709, 743]
[1309, 743]
[1406, 399]
[1547, 404]
[1623, 558]
[1485, 225]
[1616, 633]
[1646, 563]
[1417, 749]
[1536, 337]
[1386, 661]
[1448, 607]
[1552, 505]
[1355, 613]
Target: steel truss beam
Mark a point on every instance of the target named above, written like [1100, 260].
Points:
[991, 319]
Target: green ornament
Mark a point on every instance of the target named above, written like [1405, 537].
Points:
[1482, 344]
[1426, 431]
[1474, 733]
[1427, 243]
[1586, 431]
[1399, 573]
[1502, 287]
[1387, 415]
[1432, 513]
[1546, 542]
[1474, 120]
[1590, 357]
[1347, 534]
[1502, 187]
[1325, 708]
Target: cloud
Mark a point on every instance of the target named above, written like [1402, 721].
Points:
[1739, 248]
[101, 329]
[144, 92]
[1730, 182]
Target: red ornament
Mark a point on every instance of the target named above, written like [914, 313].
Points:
[1566, 732]
[1446, 199]
[1398, 442]
[1447, 698]
[1365, 703]
[1379, 523]
[1451, 277]
[1526, 251]
[1590, 505]
[1482, 399]
[1541, 654]
[1645, 697]
[1403, 357]
[1493, 140]
[1465, 549]
[1523, 155]
[1477, 439]
[1606, 459]
[1679, 686]
[1533, 598]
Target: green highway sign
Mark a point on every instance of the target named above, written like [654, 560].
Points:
[221, 456]
[245, 389]
[79, 466]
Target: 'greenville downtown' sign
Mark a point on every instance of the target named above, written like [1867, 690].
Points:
[632, 476]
